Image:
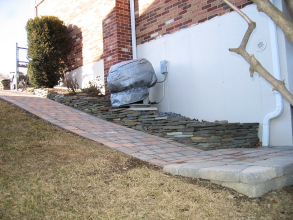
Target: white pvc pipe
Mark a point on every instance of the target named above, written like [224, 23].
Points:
[16, 68]
[277, 75]
[133, 34]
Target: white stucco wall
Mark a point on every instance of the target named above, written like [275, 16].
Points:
[88, 73]
[207, 82]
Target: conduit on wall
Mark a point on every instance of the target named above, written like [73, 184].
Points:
[133, 34]
[277, 75]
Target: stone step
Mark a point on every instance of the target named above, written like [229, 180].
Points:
[251, 179]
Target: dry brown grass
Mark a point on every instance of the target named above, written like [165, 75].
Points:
[48, 173]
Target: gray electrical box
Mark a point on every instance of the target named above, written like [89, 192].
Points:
[164, 68]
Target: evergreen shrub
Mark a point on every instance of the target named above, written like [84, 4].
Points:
[47, 50]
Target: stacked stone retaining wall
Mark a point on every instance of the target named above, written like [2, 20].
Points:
[202, 135]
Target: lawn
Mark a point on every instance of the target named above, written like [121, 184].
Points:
[49, 173]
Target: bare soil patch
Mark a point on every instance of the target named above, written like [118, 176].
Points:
[48, 173]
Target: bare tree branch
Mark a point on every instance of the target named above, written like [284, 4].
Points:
[277, 16]
[251, 27]
[255, 65]
[239, 11]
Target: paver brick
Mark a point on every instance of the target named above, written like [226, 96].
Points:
[128, 145]
[163, 155]
[126, 150]
[142, 156]
[112, 144]
[148, 152]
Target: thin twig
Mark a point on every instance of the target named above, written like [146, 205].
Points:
[238, 10]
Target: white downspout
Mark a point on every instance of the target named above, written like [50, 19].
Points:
[277, 75]
[133, 34]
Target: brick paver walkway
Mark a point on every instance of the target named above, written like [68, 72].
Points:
[156, 150]
[175, 157]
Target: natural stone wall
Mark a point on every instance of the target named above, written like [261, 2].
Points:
[202, 135]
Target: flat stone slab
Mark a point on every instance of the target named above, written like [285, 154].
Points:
[259, 189]
[142, 109]
[251, 179]
[256, 174]
[229, 173]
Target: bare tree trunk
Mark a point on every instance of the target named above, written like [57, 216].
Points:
[255, 65]
[277, 16]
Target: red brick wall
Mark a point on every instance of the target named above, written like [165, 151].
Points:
[84, 21]
[159, 17]
[97, 30]
[117, 37]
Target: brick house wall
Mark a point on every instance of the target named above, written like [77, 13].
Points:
[84, 21]
[97, 30]
[159, 17]
[102, 30]
[117, 37]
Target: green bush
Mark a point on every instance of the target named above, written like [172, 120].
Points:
[47, 50]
